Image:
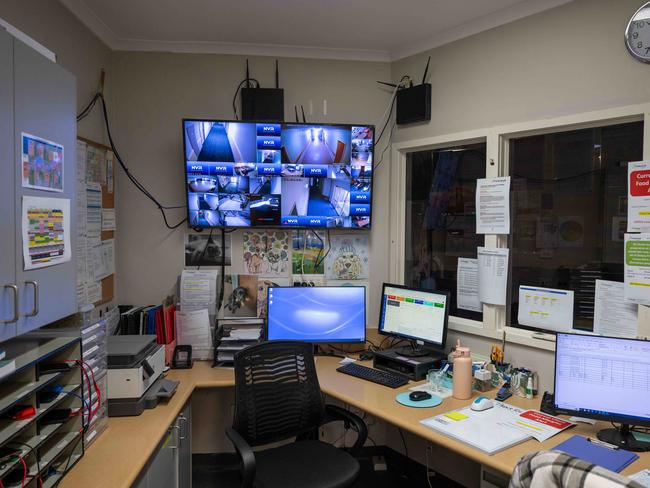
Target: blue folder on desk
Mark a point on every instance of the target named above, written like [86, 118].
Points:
[613, 459]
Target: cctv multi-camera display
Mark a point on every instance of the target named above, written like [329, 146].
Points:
[250, 174]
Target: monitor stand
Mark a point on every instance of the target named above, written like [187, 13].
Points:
[623, 438]
[413, 351]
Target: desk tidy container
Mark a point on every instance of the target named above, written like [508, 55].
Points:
[462, 389]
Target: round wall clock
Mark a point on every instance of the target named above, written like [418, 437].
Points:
[637, 34]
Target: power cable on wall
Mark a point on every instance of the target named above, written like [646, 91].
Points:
[83, 114]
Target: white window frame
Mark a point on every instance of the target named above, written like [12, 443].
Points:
[497, 141]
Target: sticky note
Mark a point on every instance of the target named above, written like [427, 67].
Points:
[456, 416]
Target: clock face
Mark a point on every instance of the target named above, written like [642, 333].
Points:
[637, 34]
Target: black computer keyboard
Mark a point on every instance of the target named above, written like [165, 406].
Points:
[380, 377]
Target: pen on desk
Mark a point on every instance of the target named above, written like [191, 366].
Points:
[603, 444]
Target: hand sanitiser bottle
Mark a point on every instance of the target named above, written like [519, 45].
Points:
[462, 372]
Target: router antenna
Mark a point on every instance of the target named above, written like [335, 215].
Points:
[303, 113]
[295, 109]
[426, 70]
[277, 75]
[248, 78]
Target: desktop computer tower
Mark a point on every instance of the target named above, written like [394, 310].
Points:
[414, 368]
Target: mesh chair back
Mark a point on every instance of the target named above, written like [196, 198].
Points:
[277, 395]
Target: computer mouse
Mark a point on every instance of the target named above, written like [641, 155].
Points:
[481, 403]
[418, 396]
[366, 355]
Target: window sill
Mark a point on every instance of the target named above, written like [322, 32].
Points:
[522, 337]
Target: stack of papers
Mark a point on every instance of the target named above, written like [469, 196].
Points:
[238, 333]
[497, 428]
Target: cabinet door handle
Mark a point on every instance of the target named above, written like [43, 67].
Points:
[182, 428]
[34, 311]
[16, 305]
[174, 428]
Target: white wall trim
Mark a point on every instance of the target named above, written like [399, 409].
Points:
[92, 21]
[496, 138]
[246, 49]
[496, 19]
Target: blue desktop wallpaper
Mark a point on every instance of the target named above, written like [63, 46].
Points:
[317, 314]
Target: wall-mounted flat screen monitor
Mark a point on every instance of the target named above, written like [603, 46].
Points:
[250, 174]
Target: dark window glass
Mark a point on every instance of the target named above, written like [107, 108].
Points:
[569, 208]
[441, 217]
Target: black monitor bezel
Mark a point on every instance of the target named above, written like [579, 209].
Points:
[623, 419]
[365, 316]
[372, 179]
[431, 345]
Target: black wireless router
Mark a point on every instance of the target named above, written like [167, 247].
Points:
[265, 104]
[414, 102]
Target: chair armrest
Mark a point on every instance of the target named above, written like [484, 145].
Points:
[334, 414]
[246, 455]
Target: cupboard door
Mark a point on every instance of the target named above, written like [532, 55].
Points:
[184, 422]
[8, 292]
[44, 107]
[163, 470]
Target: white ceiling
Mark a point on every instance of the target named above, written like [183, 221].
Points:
[374, 30]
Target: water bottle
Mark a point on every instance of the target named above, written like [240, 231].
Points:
[462, 373]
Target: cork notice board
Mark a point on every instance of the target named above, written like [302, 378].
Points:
[108, 202]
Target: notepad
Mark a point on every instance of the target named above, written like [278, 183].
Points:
[613, 459]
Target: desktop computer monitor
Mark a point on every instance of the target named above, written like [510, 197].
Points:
[417, 315]
[605, 378]
[317, 314]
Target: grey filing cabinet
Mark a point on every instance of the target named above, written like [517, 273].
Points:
[9, 291]
[171, 465]
[37, 97]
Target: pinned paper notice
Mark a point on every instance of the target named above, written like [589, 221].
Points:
[493, 205]
[493, 275]
[637, 268]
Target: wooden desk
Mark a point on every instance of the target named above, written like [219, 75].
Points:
[118, 456]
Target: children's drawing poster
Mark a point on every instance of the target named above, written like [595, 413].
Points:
[42, 164]
[308, 252]
[266, 252]
[347, 258]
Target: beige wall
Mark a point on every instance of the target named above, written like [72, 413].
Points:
[77, 49]
[154, 91]
[567, 60]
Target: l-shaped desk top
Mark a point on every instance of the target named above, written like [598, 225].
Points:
[122, 451]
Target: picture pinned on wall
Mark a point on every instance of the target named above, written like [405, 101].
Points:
[42, 164]
[95, 165]
[348, 258]
[308, 252]
[309, 280]
[266, 252]
[205, 250]
[263, 285]
[46, 231]
[240, 296]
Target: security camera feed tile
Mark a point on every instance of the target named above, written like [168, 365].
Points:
[245, 174]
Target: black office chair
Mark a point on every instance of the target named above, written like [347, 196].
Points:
[277, 397]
